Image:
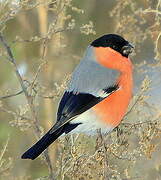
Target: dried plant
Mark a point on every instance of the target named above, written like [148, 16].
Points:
[35, 80]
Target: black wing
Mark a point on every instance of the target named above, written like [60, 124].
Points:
[72, 105]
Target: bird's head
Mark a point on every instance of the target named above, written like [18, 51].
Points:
[114, 42]
[112, 51]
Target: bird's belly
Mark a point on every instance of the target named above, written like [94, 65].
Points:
[105, 115]
[90, 122]
[113, 108]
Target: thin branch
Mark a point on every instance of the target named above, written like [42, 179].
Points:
[14, 114]
[152, 11]
[4, 150]
[157, 41]
[11, 95]
[42, 64]
[29, 100]
[4, 168]
[141, 123]
[41, 38]
[132, 107]
[157, 9]
[28, 97]
[105, 154]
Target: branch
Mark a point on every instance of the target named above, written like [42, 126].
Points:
[11, 95]
[4, 150]
[152, 11]
[106, 165]
[132, 107]
[24, 89]
[29, 100]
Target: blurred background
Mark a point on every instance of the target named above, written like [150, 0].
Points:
[48, 39]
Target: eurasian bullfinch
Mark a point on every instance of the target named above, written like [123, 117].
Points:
[98, 94]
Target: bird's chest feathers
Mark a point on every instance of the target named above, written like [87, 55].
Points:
[113, 108]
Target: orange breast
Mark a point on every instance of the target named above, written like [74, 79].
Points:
[112, 109]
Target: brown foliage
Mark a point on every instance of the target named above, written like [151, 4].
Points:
[40, 45]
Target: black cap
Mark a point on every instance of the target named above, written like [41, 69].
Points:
[113, 41]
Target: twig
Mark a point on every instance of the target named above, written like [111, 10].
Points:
[141, 123]
[49, 164]
[157, 9]
[20, 92]
[8, 165]
[41, 38]
[132, 107]
[11, 95]
[152, 11]
[42, 64]
[4, 150]
[14, 114]
[157, 41]
[105, 155]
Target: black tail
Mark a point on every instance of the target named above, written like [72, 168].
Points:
[42, 144]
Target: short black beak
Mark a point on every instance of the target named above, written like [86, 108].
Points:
[127, 49]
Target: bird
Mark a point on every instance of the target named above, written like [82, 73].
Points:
[98, 94]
